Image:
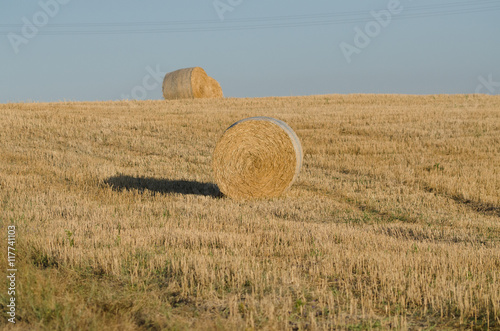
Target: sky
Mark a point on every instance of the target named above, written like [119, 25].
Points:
[74, 50]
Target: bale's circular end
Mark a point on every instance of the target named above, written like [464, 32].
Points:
[258, 157]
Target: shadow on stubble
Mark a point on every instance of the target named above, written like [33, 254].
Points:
[163, 186]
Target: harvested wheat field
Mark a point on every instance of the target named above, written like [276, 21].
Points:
[393, 222]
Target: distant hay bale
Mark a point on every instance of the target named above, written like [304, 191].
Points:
[190, 83]
[258, 157]
[214, 89]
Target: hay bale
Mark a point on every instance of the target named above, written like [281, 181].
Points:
[214, 89]
[258, 157]
[190, 83]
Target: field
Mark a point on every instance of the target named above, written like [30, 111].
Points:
[394, 221]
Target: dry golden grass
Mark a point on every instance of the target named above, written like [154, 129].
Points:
[394, 221]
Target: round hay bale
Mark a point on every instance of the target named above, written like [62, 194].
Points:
[190, 83]
[214, 89]
[258, 157]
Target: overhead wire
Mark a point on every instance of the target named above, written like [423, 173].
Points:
[292, 21]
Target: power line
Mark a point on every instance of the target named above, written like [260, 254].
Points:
[455, 8]
[272, 18]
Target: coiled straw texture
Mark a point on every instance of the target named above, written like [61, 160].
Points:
[258, 157]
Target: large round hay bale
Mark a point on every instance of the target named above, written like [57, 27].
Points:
[258, 157]
[190, 83]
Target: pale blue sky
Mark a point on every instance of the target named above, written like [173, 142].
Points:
[100, 50]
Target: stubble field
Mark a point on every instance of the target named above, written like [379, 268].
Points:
[394, 221]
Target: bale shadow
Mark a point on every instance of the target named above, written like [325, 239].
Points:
[163, 186]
